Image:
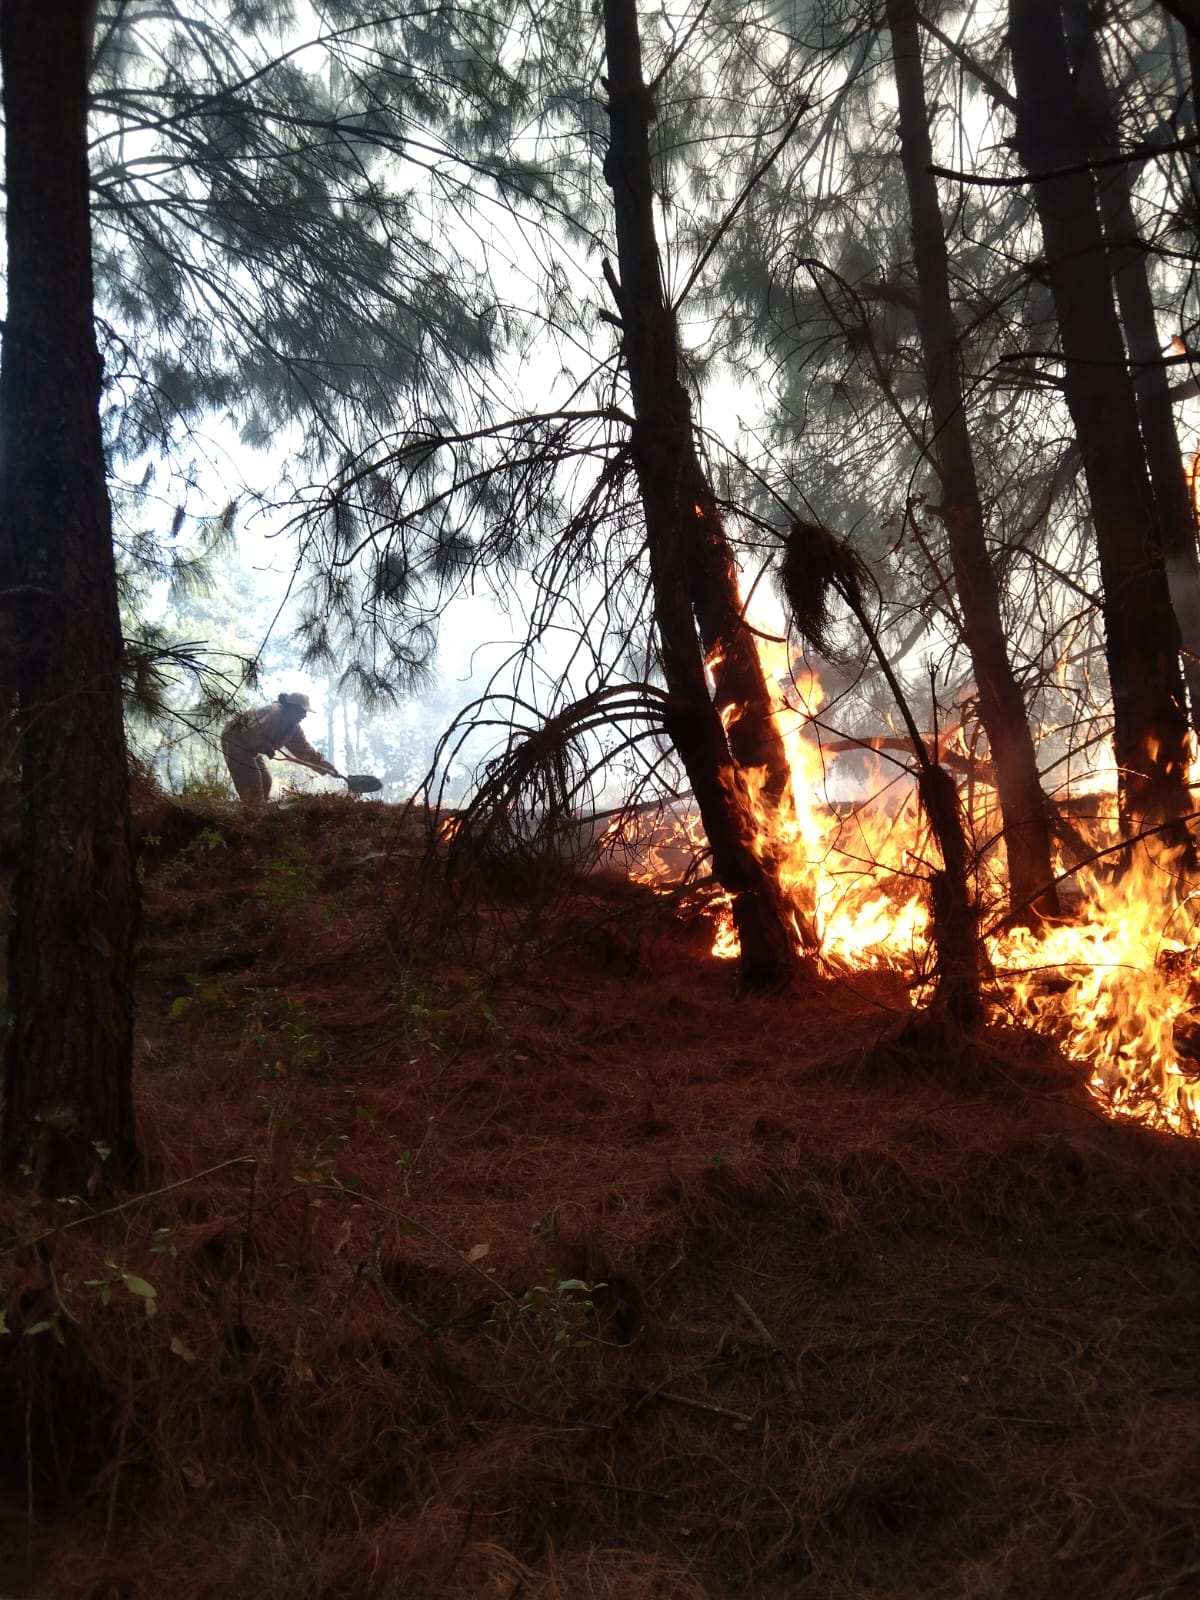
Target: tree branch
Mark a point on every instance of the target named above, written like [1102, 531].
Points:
[1141, 152]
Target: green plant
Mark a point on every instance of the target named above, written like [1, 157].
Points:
[205, 996]
[431, 1028]
[164, 1244]
[52, 1324]
[558, 1313]
[119, 1278]
[280, 1035]
[411, 1169]
[61, 1313]
[209, 783]
[207, 840]
[318, 1148]
[289, 879]
[320, 1160]
[420, 1022]
[545, 1229]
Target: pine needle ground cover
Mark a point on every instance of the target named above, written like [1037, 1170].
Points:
[490, 1246]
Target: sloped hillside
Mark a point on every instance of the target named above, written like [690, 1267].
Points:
[492, 1247]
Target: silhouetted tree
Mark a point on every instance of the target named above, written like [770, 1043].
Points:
[1128, 260]
[68, 1110]
[1001, 704]
[1150, 728]
[696, 603]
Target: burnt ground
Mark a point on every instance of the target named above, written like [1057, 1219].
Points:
[499, 1250]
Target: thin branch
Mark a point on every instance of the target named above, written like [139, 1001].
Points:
[748, 189]
[1141, 152]
[993, 85]
[134, 1200]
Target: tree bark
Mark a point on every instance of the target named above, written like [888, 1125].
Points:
[1150, 728]
[68, 1121]
[1152, 393]
[1001, 704]
[721, 735]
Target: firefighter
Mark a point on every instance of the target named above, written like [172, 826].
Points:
[252, 737]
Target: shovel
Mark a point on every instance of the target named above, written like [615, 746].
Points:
[357, 783]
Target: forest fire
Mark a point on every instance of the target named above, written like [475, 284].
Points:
[1113, 982]
[1114, 988]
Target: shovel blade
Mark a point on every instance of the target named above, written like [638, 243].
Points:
[363, 783]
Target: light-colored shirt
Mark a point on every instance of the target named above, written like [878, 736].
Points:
[272, 728]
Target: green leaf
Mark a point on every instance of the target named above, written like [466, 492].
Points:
[545, 1230]
[137, 1285]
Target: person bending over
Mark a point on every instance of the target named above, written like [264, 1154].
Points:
[250, 738]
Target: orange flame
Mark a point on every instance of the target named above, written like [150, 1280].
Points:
[1117, 987]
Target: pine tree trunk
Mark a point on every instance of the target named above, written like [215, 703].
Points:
[1127, 263]
[692, 569]
[68, 1120]
[1150, 728]
[1001, 703]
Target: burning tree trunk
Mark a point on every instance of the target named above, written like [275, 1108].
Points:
[68, 1101]
[1150, 729]
[1001, 704]
[1127, 263]
[814, 561]
[692, 568]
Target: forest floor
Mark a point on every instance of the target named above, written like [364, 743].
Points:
[490, 1246]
